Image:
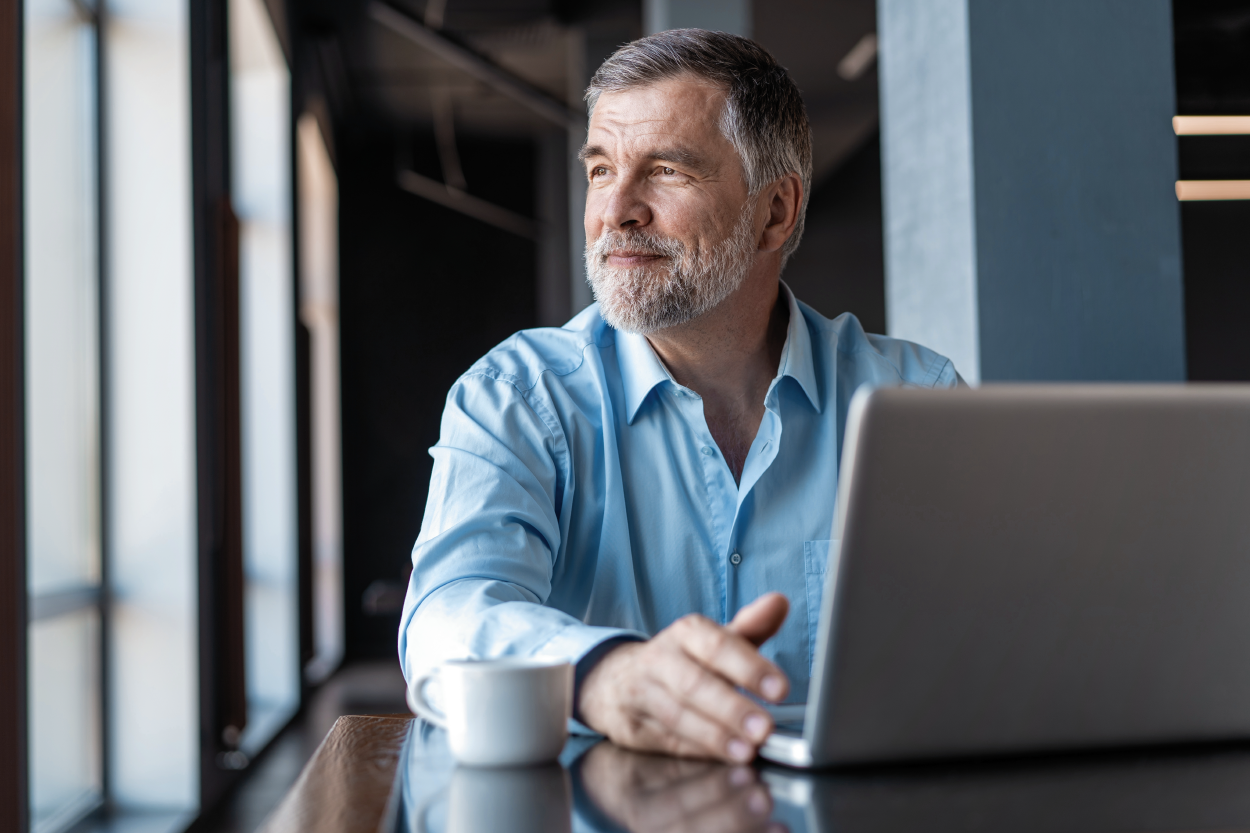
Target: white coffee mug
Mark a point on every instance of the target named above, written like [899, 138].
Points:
[500, 712]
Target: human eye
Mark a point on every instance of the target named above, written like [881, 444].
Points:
[597, 171]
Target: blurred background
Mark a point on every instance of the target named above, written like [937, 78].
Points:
[253, 242]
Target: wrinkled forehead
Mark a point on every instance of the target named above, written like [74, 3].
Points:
[684, 109]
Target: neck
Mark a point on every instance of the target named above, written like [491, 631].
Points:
[729, 356]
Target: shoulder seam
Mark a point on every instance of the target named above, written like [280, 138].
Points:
[516, 382]
[935, 370]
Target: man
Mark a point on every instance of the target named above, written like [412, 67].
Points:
[648, 491]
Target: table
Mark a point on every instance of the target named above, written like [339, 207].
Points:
[393, 775]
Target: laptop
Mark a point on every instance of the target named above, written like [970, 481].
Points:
[1033, 568]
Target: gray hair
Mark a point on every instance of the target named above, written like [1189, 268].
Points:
[764, 117]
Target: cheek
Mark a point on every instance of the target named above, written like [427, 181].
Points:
[691, 215]
[592, 220]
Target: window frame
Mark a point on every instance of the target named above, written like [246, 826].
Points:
[13, 739]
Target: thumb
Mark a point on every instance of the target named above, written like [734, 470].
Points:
[761, 618]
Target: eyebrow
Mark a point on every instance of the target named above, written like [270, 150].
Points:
[682, 157]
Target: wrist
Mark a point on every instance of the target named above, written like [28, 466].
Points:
[589, 678]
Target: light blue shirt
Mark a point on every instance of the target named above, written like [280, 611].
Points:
[577, 494]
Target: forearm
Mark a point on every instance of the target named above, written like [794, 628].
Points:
[481, 619]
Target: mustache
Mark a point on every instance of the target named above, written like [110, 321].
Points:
[637, 242]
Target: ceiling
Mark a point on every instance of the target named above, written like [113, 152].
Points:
[374, 75]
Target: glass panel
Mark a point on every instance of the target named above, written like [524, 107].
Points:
[64, 718]
[261, 163]
[319, 311]
[62, 415]
[153, 705]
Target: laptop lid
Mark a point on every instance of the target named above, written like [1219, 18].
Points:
[1036, 568]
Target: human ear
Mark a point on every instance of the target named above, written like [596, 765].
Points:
[785, 197]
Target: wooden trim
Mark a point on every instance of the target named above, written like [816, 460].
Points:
[347, 785]
[13, 793]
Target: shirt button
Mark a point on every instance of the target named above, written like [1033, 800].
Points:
[707, 451]
[735, 559]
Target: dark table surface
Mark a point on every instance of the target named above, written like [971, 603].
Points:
[387, 774]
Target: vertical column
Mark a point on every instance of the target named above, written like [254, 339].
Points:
[13, 796]
[1031, 225]
[733, 16]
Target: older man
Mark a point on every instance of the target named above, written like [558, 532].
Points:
[648, 491]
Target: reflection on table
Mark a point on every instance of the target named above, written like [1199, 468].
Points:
[596, 786]
[600, 787]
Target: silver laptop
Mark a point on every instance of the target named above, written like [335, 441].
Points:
[1023, 569]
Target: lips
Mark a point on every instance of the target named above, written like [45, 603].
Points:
[632, 258]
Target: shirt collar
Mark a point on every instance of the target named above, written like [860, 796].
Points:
[797, 360]
[642, 370]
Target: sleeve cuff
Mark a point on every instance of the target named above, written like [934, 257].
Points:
[584, 646]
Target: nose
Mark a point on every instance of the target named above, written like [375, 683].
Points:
[624, 207]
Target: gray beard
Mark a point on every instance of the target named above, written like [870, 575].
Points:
[646, 299]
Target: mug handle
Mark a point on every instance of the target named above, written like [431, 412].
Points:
[420, 705]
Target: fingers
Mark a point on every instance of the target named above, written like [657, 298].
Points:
[722, 736]
[730, 655]
[676, 692]
[737, 724]
[758, 621]
[653, 733]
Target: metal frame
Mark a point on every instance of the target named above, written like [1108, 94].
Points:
[102, 373]
[14, 809]
[222, 665]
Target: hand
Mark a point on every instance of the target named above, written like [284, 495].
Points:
[675, 692]
[666, 795]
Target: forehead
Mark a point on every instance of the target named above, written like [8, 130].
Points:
[683, 109]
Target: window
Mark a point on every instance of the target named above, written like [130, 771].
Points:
[117, 683]
[65, 567]
[319, 312]
[111, 502]
[260, 121]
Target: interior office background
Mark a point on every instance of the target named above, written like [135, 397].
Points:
[249, 244]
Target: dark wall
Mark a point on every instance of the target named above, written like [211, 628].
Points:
[1212, 40]
[840, 265]
[1217, 289]
[424, 292]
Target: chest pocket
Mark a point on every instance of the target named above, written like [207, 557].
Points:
[817, 557]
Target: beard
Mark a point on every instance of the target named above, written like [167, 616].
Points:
[687, 283]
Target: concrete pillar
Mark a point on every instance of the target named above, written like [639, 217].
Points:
[733, 16]
[1028, 161]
